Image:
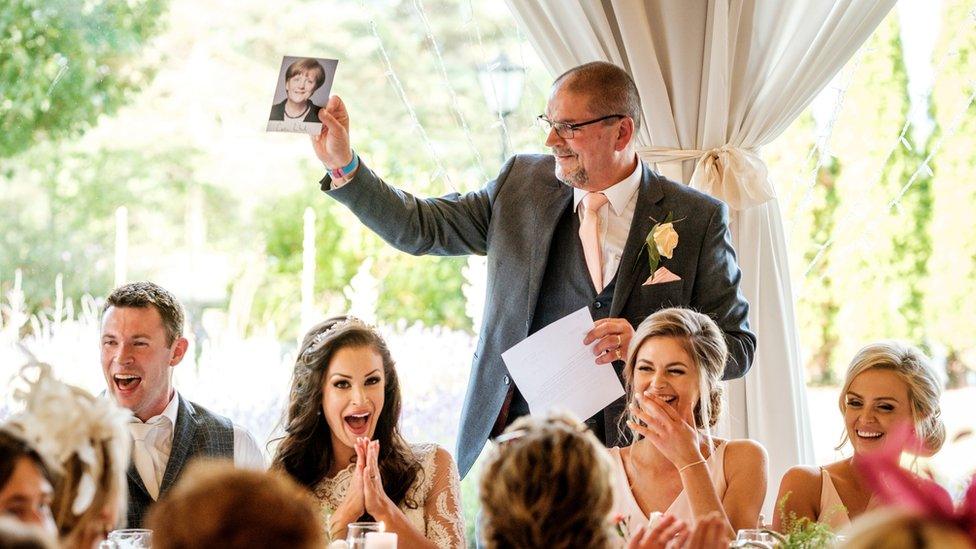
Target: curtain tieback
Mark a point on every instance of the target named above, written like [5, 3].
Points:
[732, 174]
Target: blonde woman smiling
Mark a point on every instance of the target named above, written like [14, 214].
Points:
[887, 384]
[676, 467]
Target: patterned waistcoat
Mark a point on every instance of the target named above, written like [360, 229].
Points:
[198, 432]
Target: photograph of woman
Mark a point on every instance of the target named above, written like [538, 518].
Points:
[302, 78]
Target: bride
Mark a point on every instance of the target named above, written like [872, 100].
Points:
[342, 442]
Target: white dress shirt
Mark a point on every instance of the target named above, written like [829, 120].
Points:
[158, 438]
[615, 218]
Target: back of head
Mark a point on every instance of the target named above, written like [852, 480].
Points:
[546, 484]
[892, 528]
[609, 89]
[216, 505]
[924, 387]
[17, 535]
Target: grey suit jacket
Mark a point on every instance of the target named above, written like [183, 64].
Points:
[511, 220]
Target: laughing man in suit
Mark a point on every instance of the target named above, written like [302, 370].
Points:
[141, 342]
[561, 231]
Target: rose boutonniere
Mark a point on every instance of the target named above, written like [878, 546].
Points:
[661, 241]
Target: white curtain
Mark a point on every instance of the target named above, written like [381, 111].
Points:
[718, 79]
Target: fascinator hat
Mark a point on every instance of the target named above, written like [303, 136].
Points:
[917, 497]
[83, 439]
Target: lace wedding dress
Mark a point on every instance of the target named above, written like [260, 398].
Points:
[437, 492]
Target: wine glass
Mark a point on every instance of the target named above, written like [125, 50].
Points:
[754, 537]
[131, 538]
[356, 533]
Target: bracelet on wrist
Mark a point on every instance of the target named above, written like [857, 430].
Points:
[692, 464]
[347, 170]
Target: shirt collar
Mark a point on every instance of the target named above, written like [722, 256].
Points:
[618, 194]
[169, 412]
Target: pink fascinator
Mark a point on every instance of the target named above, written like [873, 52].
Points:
[899, 487]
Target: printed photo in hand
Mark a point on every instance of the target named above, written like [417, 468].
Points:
[303, 88]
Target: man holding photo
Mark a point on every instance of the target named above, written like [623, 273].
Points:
[563, 231]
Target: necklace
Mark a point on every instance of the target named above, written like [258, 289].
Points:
[299, 115]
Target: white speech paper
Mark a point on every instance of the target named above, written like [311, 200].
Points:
[554, 370]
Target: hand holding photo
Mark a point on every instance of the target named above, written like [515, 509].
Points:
[303, 88]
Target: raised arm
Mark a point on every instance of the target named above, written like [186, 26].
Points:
[454, 224]
[717, 294]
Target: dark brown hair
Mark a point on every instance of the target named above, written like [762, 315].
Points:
[305, 452]
[609, 88]
[147, 294]
[217, 505]
[12, 449]
[309, 66]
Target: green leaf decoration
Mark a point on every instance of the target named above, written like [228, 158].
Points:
[653, 257]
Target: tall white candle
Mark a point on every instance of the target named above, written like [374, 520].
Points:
[381, 540]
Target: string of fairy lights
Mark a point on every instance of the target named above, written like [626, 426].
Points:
[806, 180]
[859, 213]
[461, 120]
[455, 105]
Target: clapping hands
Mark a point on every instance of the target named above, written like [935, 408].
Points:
[375, 500]
[365, 493]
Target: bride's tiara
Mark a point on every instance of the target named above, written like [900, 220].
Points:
[320, 337]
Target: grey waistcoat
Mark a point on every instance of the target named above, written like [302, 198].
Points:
[198, 432]
[566, 288]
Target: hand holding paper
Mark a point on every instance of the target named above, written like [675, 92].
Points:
[554, 369]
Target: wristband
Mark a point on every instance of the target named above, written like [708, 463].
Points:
[345, 171]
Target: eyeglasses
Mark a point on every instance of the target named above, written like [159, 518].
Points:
[567, 130]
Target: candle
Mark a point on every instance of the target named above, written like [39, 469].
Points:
[381, 540]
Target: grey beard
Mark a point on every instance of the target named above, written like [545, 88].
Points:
[578, 179]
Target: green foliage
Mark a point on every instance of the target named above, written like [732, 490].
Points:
[412, 289]
[820, 303]
[60, 215]
[952, 274]
[801, 532]
[64, 63]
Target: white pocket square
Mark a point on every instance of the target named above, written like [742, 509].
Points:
[660, 276]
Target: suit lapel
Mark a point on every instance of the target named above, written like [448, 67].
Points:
[647, 212]
[183, 432]
[552, 204]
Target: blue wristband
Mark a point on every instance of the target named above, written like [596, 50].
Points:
[340, 173]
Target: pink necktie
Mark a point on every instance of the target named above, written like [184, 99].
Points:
[590, 237]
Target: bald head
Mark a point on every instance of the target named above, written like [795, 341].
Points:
[608, 88]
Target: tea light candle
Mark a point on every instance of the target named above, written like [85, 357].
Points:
[381, 540]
